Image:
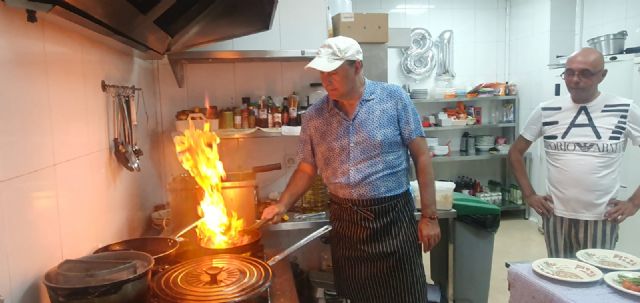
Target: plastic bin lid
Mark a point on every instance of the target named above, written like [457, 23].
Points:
[470, 205]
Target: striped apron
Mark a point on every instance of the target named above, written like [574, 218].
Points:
[375, 250]
[566, 236]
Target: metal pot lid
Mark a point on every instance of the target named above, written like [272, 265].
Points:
[217, 278]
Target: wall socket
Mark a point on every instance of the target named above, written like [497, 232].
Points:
[290, 160]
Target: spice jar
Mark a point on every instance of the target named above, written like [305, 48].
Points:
[227, 119]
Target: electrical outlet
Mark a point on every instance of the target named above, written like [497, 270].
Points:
[289, 160]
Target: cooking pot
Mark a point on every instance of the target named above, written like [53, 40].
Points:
[609, 44]
[220, 278]
[101, 278]
[239, 191]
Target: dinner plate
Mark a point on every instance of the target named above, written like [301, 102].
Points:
[613, 280]
[609, 259]
[566, 270]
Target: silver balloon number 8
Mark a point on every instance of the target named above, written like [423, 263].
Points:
[424, 54]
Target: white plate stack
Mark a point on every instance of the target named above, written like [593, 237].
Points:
[419, 93]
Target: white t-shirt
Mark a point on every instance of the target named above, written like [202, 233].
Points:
[584, 145]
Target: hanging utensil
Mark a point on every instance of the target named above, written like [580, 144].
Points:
[134, 162]
[119, 150]
[134, 121]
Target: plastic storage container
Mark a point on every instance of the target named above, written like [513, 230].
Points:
[444, 194]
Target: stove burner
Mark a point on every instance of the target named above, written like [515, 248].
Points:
[216, 278]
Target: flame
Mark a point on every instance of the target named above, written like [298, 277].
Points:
[198, 153]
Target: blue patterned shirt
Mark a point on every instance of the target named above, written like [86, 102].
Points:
[366, 157]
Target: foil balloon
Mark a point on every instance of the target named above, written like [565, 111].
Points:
[419, 59]
[444, 46]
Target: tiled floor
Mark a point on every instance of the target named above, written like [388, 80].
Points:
[516, 240]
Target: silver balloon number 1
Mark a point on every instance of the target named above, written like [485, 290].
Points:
[424, 55]
[445, 56]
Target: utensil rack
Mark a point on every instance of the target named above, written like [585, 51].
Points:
[118, 89]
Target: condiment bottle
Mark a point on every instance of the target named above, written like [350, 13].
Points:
[277, 117]
[237, 118]
[293, 109]
[245, 117]
[252, 118]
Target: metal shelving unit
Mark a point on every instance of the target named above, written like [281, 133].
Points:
[490, 105]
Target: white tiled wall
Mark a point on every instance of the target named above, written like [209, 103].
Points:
[606, 17]
[62, 194]
[478, 30]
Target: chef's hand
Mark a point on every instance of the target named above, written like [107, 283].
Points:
[428, 233]
[274, 213]
[620, 210]
[543, 205]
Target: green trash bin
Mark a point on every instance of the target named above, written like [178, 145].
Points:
[474, 230]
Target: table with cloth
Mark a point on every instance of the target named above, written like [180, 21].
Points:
[527, 286]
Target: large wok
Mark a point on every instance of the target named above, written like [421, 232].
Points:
[163, 249]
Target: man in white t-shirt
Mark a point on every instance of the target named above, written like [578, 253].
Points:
[584, 137]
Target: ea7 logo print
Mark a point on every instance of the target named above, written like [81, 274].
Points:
[616, 133]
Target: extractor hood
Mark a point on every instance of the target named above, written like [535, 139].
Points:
[157, 27]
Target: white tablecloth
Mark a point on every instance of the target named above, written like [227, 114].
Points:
[526, 286]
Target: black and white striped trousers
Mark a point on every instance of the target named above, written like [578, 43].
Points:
[566, 236]
[375, 250]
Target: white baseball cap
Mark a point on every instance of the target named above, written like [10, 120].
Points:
[335, 51]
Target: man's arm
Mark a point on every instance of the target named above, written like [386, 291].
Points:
[299, 182]
[428, 228]
[516, 158]
[622, 210]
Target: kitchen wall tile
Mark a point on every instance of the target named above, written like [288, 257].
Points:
[633, 8]
[441, 19]
[485, 26]
[417, 17]
[77, 207]
[296, 78]
[98, 105]
[501, 58]
[390, 5]
[633, 28]
[593, 12]
[362, 6]
[33, 245]
[441, 4]
[612, 27]
[485, 60]
[25, 131]
[258, 79]
[398, 17]
[5, 279]
[69, 107]
[470, 4]
[213, 81]
[303, 28]
[464, 25]
[488, 4]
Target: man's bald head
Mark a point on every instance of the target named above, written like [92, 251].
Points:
[583, 72]
[589, 56]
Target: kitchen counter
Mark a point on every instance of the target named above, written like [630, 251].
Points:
[322, 220]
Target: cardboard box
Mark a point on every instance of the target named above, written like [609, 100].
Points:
[363, 27]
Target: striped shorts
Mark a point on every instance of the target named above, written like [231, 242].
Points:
[566, 236]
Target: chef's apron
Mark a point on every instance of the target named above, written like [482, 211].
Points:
[376, 251]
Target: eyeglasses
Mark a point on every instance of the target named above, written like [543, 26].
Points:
[582, 74]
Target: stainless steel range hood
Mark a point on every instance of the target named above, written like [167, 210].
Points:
[157, 27]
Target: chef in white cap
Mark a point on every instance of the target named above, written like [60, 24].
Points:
[359, 138]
